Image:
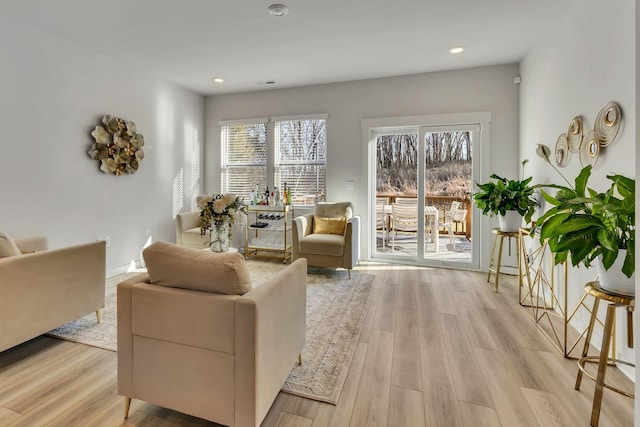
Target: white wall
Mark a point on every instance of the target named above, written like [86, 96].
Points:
[53, 94]
[636, 321]
[480, 89]
[576, 70]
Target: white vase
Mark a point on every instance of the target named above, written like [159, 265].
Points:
[614, 280]
[220, 237]
[510, 222]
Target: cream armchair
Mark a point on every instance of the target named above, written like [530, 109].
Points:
[46, 288]
[196, 337]
[188, 231]
[318, 238]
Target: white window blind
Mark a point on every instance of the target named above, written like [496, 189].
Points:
[243, 157]
[300, 157]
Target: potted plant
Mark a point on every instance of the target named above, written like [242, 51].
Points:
[586, 226]
[510, 199]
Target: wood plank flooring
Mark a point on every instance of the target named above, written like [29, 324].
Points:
[438, 348]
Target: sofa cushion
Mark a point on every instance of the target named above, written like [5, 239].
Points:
[8, 246]
[201, 270]
[322, 225]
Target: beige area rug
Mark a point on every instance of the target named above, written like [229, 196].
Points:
[336, 309]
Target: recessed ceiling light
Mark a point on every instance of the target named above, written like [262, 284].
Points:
[218, 79]
[458, 49]
[278, 9]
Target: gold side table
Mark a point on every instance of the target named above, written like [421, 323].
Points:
[494, 266]
[614, 301]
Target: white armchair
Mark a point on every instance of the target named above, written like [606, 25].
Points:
[188, 231]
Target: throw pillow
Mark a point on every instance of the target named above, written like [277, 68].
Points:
[322, 225]
[200, 270]
[8, 246]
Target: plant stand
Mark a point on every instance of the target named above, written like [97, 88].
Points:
[496, 263]
[603, 359]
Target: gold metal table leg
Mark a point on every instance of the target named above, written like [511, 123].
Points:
[602, 364]
[499, 262]
[493, 255]
[587, 342]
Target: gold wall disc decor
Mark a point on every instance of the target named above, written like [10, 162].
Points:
[608, 123]
[562, 150]
[589, 148]
[117, 146]
[574, 134]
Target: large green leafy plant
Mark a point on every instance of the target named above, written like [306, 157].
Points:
[502, 195]
[584, 223]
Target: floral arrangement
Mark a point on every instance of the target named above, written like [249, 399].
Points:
[118, 146]
[218, 210]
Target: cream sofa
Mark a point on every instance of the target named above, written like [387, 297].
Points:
[45, 289]
[201, 340]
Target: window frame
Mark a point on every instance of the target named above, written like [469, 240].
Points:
[226, 166]
[278, 164]
[272, 164]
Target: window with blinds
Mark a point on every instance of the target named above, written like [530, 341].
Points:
[296, 156]
[300, 155]
[243, 157]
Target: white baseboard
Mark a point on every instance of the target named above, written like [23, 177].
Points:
[133, 266]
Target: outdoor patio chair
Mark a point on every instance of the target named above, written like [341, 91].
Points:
[382, 219]
[404, 218]
[454, 215]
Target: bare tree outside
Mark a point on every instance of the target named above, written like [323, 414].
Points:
[447, 161]
[300, 158]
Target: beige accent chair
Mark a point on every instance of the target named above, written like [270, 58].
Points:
[194, 342]
[328, 250]
[188, 231]
[43, 289]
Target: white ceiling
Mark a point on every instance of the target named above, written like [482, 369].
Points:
[190, 41]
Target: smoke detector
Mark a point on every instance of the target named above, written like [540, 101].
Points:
[278, 10]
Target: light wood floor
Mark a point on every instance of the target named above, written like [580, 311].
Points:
[439, 348]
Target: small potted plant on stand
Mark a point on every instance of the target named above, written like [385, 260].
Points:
[510, 199]
[586, 226]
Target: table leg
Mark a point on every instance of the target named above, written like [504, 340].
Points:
[602, 365]
[587, 339]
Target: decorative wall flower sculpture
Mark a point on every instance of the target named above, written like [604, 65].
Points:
[118, 146]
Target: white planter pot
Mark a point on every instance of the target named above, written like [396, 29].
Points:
[614, 280]
[510, 222]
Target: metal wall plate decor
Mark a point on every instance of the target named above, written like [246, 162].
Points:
[117, 146]
[562, 150]
[608, 123]
[574, 134]
[589, 148]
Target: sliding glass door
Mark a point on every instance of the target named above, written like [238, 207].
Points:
[422, 195]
